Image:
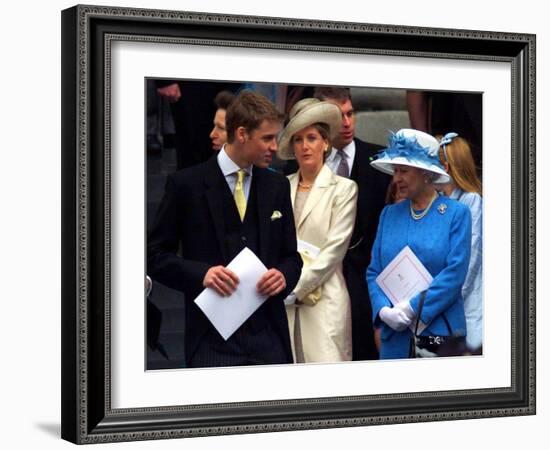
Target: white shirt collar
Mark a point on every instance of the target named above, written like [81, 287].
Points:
[228, 166]
[333, 160]
[349, 150]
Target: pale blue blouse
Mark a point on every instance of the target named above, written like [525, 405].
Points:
[472, 290]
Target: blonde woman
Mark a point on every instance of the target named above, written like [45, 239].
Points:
[324, 204]
[456, 157]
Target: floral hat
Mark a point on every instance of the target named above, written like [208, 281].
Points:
[412, 148]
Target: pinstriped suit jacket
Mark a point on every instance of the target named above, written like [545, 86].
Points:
[187, 239]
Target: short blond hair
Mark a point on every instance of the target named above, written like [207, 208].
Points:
[249, 109]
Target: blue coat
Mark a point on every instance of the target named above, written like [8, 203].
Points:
[441, 241]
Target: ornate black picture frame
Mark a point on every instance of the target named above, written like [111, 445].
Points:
[87, 413]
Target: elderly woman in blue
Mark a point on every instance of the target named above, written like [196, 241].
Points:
[437, 230]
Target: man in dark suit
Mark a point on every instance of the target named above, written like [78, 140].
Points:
[208, 215]
[350, 157]
[192, 108]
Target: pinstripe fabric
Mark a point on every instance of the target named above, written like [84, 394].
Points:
[255, 342]
[244, 348]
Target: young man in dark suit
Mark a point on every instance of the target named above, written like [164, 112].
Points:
[350, 157]
[209, 213]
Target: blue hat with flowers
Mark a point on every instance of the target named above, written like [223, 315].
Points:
[412, 148]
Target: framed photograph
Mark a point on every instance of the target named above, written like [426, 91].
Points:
[118, 383]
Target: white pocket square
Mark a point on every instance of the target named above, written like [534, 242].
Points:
[276, 215]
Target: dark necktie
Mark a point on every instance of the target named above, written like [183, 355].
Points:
[343, 168]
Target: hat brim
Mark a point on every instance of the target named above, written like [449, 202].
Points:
[320, 112]
[386, 165]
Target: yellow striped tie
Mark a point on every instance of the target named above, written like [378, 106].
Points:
[240, 199]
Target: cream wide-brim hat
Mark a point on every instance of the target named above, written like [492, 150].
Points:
[304, 114]
[409, 155]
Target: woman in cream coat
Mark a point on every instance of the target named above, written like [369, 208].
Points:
[318, 310]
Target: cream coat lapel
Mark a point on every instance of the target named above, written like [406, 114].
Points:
[322, 182]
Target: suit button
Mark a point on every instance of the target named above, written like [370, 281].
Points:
[243, 238]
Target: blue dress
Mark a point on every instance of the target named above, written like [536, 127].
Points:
[472, 289]
[441, 241]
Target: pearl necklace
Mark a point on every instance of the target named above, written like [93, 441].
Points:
[304, 186]
[418, 216]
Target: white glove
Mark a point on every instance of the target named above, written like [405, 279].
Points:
[395, 318]
[406, 308]
[290, 300]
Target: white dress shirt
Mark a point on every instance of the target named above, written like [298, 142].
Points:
[230, 169]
